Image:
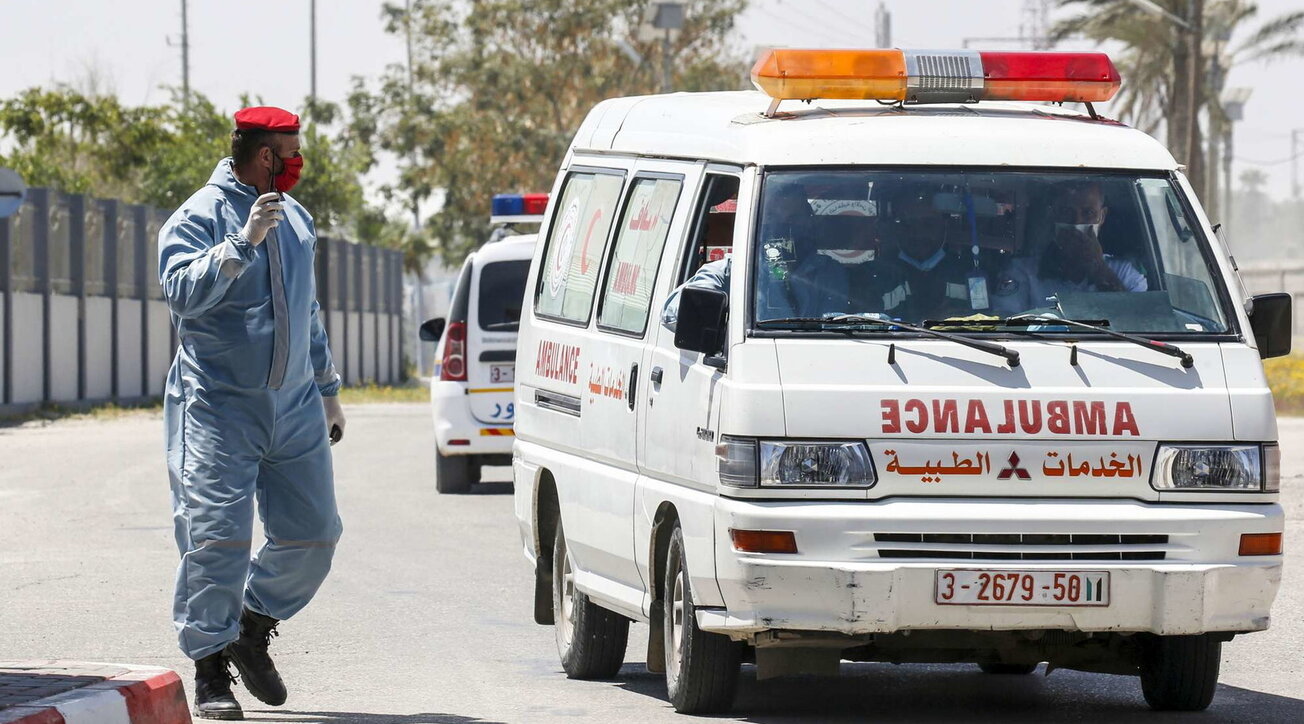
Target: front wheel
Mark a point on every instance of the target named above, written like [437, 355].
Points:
[590, 639]
[1180, 673]
[701, 667]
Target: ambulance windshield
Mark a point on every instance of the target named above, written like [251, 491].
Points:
[923, 246]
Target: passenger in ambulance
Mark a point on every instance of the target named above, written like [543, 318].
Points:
[1071, 260]
[795, 279]
[938, 278]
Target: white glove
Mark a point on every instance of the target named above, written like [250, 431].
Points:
[262, 218]
[334, 416]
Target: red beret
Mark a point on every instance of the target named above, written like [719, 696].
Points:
[266, 118]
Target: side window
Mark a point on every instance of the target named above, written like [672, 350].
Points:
[640, 238]
[575, 245]
[712, 235]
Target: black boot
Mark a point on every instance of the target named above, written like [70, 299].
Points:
[213, 697]
[249, 654]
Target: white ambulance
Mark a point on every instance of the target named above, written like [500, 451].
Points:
[969, 381]
[471, 392]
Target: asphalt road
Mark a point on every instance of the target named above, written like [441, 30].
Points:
[426, 618]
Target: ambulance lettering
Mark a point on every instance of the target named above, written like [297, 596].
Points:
[1031, 417]
[557, 361]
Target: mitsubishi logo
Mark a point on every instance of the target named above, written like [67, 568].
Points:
[1014, 469]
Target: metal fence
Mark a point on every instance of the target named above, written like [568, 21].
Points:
[82, 316]
[1263, 279]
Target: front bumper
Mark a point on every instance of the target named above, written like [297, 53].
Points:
[838, 583]
[454, 421]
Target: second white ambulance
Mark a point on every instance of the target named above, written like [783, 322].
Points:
[951, 380]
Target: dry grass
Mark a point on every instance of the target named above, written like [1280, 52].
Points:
[1286, 378]
[365, 394]
[361, 395]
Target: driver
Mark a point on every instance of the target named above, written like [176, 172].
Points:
[808, 284]
[1073, 261]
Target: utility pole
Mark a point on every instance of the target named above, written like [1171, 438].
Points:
[185, 54]
[1295, 137]
[882, 27]
[667, 17]
[312, 50]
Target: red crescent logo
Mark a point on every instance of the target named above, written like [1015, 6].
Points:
[588, 234]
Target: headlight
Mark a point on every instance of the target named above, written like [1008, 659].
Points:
[746, 463]
[1249, 468]
[816, 463]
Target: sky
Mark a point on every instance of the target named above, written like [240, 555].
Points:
[261, 48]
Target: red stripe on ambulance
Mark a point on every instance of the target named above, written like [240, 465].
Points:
[1029, 417]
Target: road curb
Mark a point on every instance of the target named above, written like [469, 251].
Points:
[130, 695]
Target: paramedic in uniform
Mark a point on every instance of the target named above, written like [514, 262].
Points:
[250, 403]
[1072, 261]
[937, 279]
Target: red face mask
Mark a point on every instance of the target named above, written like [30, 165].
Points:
[289, 175]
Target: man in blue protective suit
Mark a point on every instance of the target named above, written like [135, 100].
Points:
[249, 408]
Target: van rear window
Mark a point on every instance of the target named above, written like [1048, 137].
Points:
[502, 292]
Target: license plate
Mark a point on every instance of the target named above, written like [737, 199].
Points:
[1022, 588]
[502, 373]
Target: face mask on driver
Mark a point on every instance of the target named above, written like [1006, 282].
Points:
[1092, 230]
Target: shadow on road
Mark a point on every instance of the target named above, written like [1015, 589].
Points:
[340, 717]
[888, 693]
[493, 488]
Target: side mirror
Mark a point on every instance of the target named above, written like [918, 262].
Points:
[1271, 321]
[432, 329]
[702, 315]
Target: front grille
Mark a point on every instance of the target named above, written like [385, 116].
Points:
[1023, 546]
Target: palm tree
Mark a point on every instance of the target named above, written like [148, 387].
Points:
[1156, 61]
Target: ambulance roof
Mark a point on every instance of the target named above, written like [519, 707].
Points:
[517, 246]
[730, 127]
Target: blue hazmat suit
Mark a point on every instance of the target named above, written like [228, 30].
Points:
[244, 415]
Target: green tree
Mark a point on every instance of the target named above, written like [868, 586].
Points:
[1159, 75]
[159, 155]
[497, 88]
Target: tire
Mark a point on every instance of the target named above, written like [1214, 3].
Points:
[590, 639]
[452, 473]
[1180, 673]
[701, 667]
[1008, 669]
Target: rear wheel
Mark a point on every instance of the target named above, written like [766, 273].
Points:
[590, 639]
[1180, 673]
[701, 667]
[452, 473]
[1008, 669]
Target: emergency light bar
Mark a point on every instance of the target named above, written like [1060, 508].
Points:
[935, 76]
[518, 208]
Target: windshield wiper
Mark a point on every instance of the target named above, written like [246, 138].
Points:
[1171, 350]
[503, 327]
[1011, 356]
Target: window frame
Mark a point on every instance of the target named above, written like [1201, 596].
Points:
[571, 172]
[610, 252]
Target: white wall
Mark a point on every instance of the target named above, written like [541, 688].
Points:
[63, 348]
[99, 348]
[29, 357]
[129, 360]
[160, 346]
